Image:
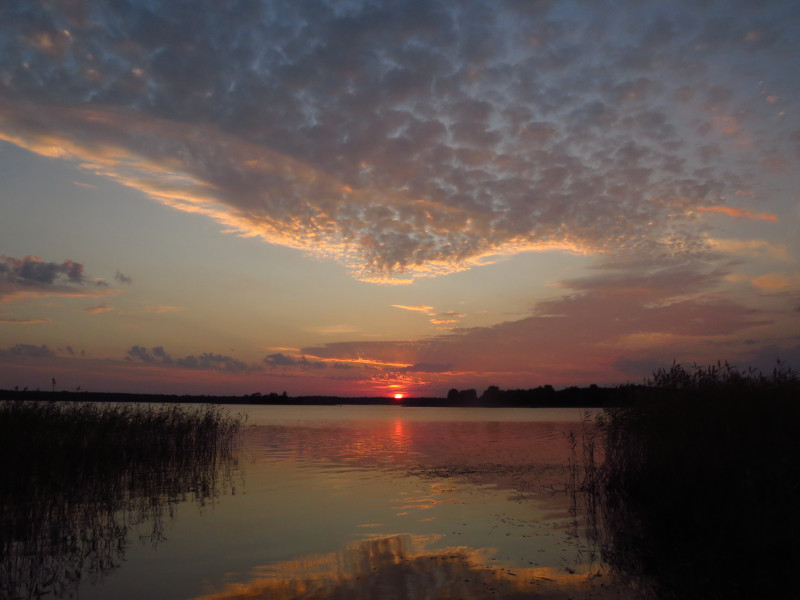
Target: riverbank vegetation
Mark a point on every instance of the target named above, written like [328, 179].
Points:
[77, 480]
[693, 485]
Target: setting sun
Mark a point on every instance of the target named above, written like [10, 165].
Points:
[398, 396]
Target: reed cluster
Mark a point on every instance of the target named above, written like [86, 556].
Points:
[76, 479]
[695, 482]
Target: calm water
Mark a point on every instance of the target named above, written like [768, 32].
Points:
[372, 502]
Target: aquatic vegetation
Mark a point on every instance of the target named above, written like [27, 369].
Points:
[77, 479]
[694, 483]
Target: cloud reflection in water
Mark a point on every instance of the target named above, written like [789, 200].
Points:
[398, 567]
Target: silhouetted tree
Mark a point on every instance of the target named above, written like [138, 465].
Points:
[491, 395]
[462, 396]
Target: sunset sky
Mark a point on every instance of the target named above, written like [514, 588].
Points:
[369, 198]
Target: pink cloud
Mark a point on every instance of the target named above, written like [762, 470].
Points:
[578, 337]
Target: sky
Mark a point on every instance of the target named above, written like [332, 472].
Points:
[375, 197]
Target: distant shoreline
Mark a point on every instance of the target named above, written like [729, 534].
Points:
[590, 397]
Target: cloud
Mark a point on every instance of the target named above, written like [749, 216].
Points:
[122, 278]
[32, 276]
[153, 308]
[96, 310]
[14, 321]
[335, 329]
[32, 270]
[283, 360]
[595, 332]
[205, 362]
[424, 309]
[391, 382]
[411, 140]
[640, 368]
[737, 213]
[766, 358]
[754, 248]
[445, 318]
[367, 353]
[777, 282]
[427, 368]
[27, 350]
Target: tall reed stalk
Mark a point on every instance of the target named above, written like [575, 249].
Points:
[77, 479]
[697, 490]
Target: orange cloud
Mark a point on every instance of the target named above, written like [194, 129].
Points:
[152, 308]
[423, 309]
[5, 321]
[727, 125]
[335, 329]
[96, 310]
[737, 213]
[446, 318]
[774, 282]
[11, 295]
[752, 248]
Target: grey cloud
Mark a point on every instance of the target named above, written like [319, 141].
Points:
[282, 360]
[28, 350]
[214, 362]
[142, 354]
[207, 361]
[417, 135]
[640, 368]
[767, 358]
[34, 271]
[32, 275]
[427, 368]
[122, 278]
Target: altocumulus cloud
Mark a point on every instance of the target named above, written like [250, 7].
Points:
[415, 138]
[207, 361]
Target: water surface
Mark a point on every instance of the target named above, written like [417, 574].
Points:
[372, 502]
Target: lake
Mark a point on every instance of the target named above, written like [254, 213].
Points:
[371, 502]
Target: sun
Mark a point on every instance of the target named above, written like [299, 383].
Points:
[398, 396]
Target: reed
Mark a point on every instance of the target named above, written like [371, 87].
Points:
[78, 479]
[696, 489]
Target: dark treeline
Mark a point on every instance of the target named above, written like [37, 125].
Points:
[541, 397]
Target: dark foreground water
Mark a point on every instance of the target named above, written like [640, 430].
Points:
[335, 502]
